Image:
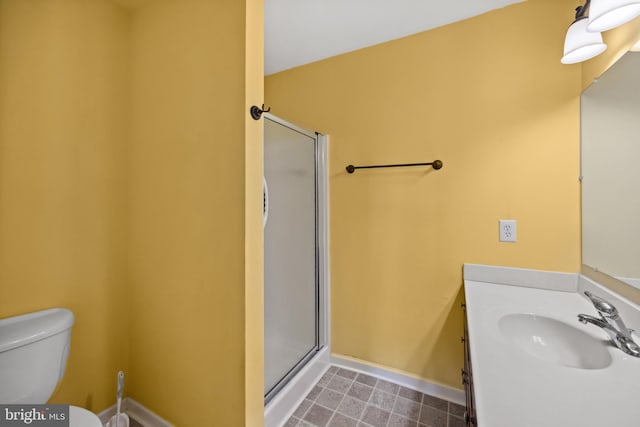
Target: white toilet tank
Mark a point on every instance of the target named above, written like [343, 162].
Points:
[33, 354]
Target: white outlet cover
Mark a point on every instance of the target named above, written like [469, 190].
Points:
[508, 230]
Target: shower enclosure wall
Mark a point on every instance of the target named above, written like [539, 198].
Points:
[295, 202]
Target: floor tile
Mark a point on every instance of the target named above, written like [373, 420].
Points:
[410, 394]
[387, 386]
[318, 416]
[435, 402]
[382, 399]
[396, 420]
[360, 391]
[329, 398]
[407, 408]
[340, 420]
[324, 380]
[433, 417]
[315, 391]
[339, 383]
[366, 379]
[456, 421]
[346, 398]
[351, 406]
[346, 373]
[302, 408]
[457, 410]
[375, 416]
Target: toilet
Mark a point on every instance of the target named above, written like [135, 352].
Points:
[33, 355]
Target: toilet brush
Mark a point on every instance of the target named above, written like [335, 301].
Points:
[119, 420]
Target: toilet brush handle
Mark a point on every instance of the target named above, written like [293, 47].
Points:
[120, 384]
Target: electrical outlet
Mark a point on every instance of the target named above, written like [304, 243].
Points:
[508, 230]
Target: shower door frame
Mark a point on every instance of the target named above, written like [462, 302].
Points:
[321, 253]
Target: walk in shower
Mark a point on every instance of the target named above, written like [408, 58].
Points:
[294, 251]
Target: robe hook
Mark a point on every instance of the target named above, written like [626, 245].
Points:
[256, 112]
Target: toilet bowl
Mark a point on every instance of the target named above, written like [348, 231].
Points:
[33, 356]
[80, 417]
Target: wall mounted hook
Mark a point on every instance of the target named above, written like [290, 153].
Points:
[256, 112]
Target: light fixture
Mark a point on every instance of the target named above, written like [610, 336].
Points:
[607, 14]
[580, 44]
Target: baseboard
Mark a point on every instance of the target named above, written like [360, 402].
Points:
[106, 415]
[282, 406]
[285, 403]
[437, 390]
[137, 411]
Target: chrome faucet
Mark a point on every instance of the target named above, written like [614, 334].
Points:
[611, 322]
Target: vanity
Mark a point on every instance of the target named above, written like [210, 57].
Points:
[529, 361]
[533, 364]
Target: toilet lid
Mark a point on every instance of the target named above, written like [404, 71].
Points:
[80, 417]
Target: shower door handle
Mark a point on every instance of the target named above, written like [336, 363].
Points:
[265, 201]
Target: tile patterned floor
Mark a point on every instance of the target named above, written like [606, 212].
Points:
[344, 398]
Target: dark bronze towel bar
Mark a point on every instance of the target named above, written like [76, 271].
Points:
[436, 164]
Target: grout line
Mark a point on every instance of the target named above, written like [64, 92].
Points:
[307, 410]
[393, 405]
[335, 411]
[313, 401]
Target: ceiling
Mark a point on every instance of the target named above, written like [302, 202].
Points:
[298, 32]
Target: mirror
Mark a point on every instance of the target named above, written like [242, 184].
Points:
[610, 169]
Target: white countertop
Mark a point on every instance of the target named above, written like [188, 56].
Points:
[516, 389]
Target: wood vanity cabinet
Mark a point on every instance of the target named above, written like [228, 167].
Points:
[467, 377]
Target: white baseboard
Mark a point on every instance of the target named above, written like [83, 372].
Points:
[137, 411]
[284, 404]
[437, 390]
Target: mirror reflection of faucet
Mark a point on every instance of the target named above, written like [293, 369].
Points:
[611, 322]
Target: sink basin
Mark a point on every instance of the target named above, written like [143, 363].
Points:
[554, 341]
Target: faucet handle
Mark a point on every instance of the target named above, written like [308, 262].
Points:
[602, 305]
[628, 345]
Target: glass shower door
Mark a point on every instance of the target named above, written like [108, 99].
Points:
[290, 252]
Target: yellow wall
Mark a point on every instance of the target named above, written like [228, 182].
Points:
[254, 235]
[490, 98]
[189, 247]
[130, 179]
[63, 130]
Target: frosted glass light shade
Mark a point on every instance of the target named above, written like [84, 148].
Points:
[580, 44]
[607, 14]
